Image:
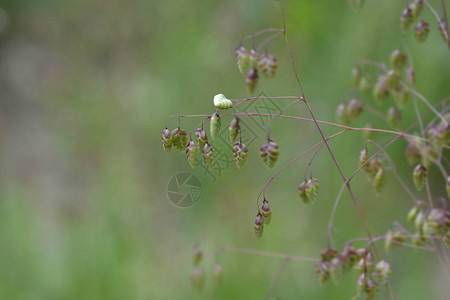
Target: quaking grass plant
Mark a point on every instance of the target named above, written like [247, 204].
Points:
[396, 85]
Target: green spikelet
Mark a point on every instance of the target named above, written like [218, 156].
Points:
[201, 138]
[341, 114]
[365, 85]
[363, 156]
[198, 278]
[218, 274]
[180, 139]
[259, 225]
[378, 181]
[422, 31]
[267, 64]
[401, 97]
[269, 153]
[197, 255]
[242, 58]
[253, 58]
[208, 156]
[419, 176]
[393, 79]
[394, 117]
[251, 80]
[221, 102]
[354, 109]
[356, 76]
[398, 60]
[234, 128]
[412, 154]
[412, 214]
[302, 192]
[372, 168]
[406, 19]
[214, 125]
[266, 212]
[240, 154]
[369, 134]
[166, 140]
[191, 153]
[416, 8]
[381, 90]
[312, 189]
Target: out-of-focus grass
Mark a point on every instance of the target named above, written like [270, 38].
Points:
[85, 89]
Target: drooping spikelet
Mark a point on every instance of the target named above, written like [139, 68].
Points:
[240, 154]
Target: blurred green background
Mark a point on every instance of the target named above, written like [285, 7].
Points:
[85, 87]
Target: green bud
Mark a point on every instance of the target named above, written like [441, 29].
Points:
[302, 192]
[251, 80]
[266, 212]
[191, 154]
[242, 58]
[419, 176]
[218, 274]
[208, 156]
[356, 76]
[180, 139]
[267, 64]
[240, 154]
[393, 79]
[201, 138]
[166, 140]
[406, 18]
[398, 59]
[221, 102]
[354, 109]
[198, 278]
[401, 97]
[378, 181]
[269, 153]
[381, 90]
[394, 117]
[234, 128]
[259, 225]
[312, 189]
[215, 125]
[422, 31]
[365, 85]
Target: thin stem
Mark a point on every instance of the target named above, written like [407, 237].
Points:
[277, 278]
[259, 33]
[265, 253]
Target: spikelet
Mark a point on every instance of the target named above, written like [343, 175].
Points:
[269, 153]
[251, 80]
[242, 58]
[259, 225]
[166, 140]
[381, 90]
[406, 19]
[266, 212]
[422, 31]
[267, 64]
[398, 59]
[201, 138]
[412, 154]
[394, 117]
[419, 176]
[191, 154]
[220, 101]
[363, 156]
[378, 181]
[356, 75]
[198, 278]
[208, 156]
[365, 84]
[253, 58]
[197, 255]
[312, 189]
[401, 97]
[393, 79]
[416, 8]
[302, 192]
[240, 154]
[369, 134]
[180, 139]
[214, 125]
[234, 128]
[341, 114]
[218, 274]
[354, 109]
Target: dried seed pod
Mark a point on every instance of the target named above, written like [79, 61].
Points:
[393, 79]
[198, 278]
[398, 59]
[215, 125]
[253, 58]
[208, 156]
[312, 189]
[180, 139]
[166, 140]
[401, 97]
[251, 80]
[201, 138]
[416, 8]
[383, 270]
[422, 31]
[356, 5]
[412, 154]
[191, 153]
[378, 181]
[240, 154]
[218, 274]
[259, 225]
[406, 18]
[197, 255]
[242, 58]
[234, 128]
[220, 101]
[369, 134]
[363, 156]
[354, 109]
[443, 30]
[266, 212]
[381, 90]
[412, 214]
[269, 153]
[447, 186]
[356, 76]
[341, 114]
[419, 176]
[302, 192]
[394, 117]
[267, 64]
[365, 85]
